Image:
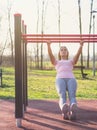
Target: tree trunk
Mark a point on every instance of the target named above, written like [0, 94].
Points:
[42, 31]
[37, 45]
[80, 26]
[88, 56]
[10, 33]
[59, 29]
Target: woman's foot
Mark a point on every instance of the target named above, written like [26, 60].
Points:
[73, 110]
[65, 111]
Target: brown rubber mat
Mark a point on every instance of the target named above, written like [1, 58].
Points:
[46, 115]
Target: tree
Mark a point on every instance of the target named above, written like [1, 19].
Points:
[80, 26]
[59, 15]
[88, 56]
[37, 45]
[44, 7]
[9, 7]
[2, 43]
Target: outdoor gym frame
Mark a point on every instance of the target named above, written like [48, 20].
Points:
[21, 39]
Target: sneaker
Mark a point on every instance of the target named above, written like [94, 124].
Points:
[65, 111]
[73, 109]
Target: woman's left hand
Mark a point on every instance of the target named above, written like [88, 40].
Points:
[81, 42]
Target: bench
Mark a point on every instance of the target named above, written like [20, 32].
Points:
[79, 67]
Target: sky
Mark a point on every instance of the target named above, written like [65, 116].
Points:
[69, 19]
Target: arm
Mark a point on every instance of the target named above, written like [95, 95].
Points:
[52, 58]
[76, 57]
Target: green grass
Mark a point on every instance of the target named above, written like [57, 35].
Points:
[41, 84]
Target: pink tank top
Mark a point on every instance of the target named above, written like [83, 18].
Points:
[64, 68]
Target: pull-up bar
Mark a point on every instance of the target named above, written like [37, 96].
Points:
[59, 35]
[59, 38]
[21, 38]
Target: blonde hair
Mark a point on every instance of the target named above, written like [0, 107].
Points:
[59, 57]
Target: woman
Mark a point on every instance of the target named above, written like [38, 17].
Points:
[65, 80]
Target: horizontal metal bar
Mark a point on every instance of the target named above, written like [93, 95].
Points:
[58, 41]
[59, 35]
[74, 38]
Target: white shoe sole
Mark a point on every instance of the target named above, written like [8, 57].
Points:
[65, 111]
[73, 110]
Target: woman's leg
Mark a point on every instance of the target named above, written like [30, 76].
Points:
[72, 87]
[61, 89]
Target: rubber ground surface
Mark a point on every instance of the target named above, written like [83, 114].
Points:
[46, 115]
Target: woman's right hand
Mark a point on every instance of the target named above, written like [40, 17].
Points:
[81, 43]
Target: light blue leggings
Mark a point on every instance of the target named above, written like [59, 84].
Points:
[69, 85]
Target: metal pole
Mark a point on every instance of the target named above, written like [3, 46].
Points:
[93, 46]
[18, 71]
